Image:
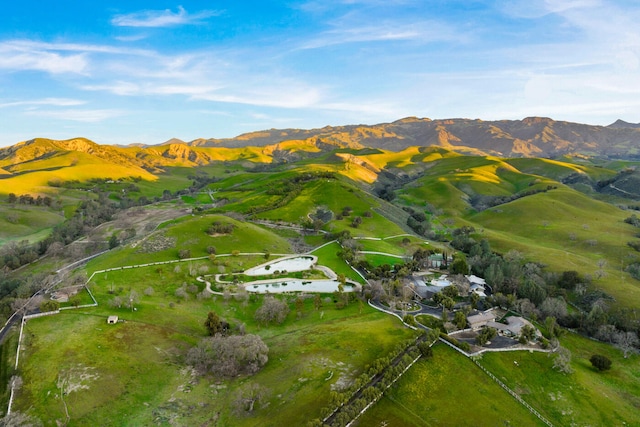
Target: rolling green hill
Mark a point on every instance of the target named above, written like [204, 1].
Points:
[240, 205]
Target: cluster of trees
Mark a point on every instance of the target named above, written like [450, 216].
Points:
[229, 356]
[633, 220]
[481, 202]
[531, 290]
[345, 405]
[28, 199]
[220, 228]
[418, 221]
[89, 214]
[226, 355]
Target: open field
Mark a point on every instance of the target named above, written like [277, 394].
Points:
[132, 373]
[447, 390]
[190, 233]
[586, 397]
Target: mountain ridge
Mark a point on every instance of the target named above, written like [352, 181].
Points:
[529, 137]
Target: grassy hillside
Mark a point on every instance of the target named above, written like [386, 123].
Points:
[568, 399]
[447, 389]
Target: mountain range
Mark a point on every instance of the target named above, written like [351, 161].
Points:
[530, 137]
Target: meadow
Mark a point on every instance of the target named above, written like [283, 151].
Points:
[447, 389]
[134, 372]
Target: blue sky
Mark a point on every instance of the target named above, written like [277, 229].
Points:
[143, 72]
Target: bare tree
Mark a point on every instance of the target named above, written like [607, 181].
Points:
[247, 396]
[272, 311]
[229, 356]
[626, 341]
[562, 361]
[556, 307]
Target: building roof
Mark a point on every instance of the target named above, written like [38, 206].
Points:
[475, 280]
[481, 318]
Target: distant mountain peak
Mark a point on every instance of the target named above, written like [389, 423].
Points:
[618, 124]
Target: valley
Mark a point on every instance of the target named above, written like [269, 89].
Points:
[184, 226]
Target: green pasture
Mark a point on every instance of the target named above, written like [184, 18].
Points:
[327, 255]
[32, 223]
[567, 231]
[393, 246]
[447, 389]
[586, 397]
[379, 259]
[133, 373]
[190, 233]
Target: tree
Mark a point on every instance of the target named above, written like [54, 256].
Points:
[451, 291]
[527, 333]
[113, 241]
[459, 265]
[562, 361]
[626, 341]
[184, 253]
[556, 307]
[272, 311]
[600, 362]
[214, 325]
[486, 335]
[49, 305]
[246, 397]
[460, 320]
[229, 356]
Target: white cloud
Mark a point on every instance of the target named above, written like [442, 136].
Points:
[58, 102]
[161, 18]
[17, 58]
[345, 32]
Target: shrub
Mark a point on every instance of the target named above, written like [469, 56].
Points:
[600, 362]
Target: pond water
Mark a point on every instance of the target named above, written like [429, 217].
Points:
[296, 285]
[300, 263]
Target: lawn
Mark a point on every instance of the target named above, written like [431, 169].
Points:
[190, 233]
[327, 255]
[586, 397]
[133, 373]
[447, 390]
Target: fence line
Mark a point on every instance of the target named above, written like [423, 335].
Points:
[501, 384]
[382, 392]
[393, 314]
[514, 394]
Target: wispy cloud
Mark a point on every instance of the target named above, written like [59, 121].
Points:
[344, 33]
[17, 57]
[58, 102]
[77, 115]
[162, 18]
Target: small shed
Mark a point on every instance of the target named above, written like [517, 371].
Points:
[111, 320]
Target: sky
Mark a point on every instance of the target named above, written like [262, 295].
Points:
[122, 72]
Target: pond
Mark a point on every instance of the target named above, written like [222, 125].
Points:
[298, 263]
[296, 285]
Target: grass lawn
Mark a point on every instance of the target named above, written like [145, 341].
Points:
[447, 390]
[190, 233]
[132, 373]
[327, 255]
[586, 397]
